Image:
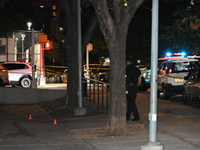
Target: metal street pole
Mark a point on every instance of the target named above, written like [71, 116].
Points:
[23, 36]
[80, 110]
[87, 61]
[34, 81]
[153, 145]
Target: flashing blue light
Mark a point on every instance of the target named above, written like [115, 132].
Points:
[168, 54]
[183, 54]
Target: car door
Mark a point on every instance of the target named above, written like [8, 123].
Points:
[161, 74]
[195, 85]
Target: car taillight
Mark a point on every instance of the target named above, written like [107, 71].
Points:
[170, 69]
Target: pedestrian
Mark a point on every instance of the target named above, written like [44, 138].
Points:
[133, 80]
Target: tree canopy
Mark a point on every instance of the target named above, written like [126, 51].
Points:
[184, 33]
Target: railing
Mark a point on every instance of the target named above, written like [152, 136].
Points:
[97, 92]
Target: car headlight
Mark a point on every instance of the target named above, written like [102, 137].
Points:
[144, 75]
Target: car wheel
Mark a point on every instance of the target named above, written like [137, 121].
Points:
[166, 94]
[25, 82]
[184, 97]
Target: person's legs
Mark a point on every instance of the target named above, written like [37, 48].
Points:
[129, 110]
[135, 111]
[134, 107]
[130, 102]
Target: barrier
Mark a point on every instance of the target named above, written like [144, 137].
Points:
[29, 96]
[97, 92]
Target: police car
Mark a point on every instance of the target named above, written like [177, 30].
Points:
[168, 56]
[171, 75]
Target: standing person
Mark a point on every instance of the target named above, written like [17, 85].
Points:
[133, 80]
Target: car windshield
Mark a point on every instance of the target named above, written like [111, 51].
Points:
[184, 66]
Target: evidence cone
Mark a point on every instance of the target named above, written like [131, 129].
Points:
[55, 121]
[30, 117]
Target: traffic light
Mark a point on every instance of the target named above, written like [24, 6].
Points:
[48, 45]
[89, 47]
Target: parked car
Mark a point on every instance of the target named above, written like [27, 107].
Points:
[3, 75]
[191, 88]
[103, 77]
[19, 73]
[99, 72]
[59, 77]
[171, 75]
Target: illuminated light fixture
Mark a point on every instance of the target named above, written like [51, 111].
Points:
[61, 29]
[54, 7]
[168, 54]
[192, 2]
[54, 14]
[183, 54]
[23, 36]
[125, 3]
[29, 24]
[41, 6]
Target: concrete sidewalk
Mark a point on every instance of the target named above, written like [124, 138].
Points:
[178, 129]
[80, 133]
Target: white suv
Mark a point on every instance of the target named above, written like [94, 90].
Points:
[20, 73]
[171, 75]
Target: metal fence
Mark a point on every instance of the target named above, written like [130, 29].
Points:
[97, 92]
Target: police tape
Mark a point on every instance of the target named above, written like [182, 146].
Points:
[56, 67]
[49, 72]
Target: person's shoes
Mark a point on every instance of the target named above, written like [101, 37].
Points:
[135, 119]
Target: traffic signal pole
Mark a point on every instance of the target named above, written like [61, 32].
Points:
[34, 80]
[152, 144]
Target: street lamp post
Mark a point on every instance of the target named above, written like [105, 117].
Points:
[15, 49]
[34, 80]
[23, 37]
[80, 110]
[153, 144]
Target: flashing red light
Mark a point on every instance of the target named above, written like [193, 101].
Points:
[48, 45]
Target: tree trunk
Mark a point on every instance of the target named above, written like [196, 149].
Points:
[72, 53]
[117, 121]
[71, 46]
[117, 109]
[114, 27]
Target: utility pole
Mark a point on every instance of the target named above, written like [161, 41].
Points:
[80, 110]
[152, 144]
[34, 81]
